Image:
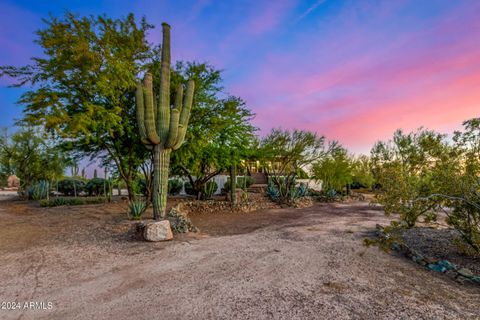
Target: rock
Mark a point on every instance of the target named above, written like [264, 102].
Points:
[303, 202]
[396, 246]
[418, 258]
[158, 231]
[179, 222]
[430, 260]
[476, 279]
[138, 228]
[447, 264]
[13, 181]
[465, 273]
[436, 267]
[461, 279]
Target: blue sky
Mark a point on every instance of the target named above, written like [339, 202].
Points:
[352, 70]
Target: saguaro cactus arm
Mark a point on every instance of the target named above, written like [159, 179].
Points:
[174, 118]
[184, 115]
[149, 110]
[141, 113]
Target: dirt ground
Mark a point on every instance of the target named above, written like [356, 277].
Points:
[270, 264]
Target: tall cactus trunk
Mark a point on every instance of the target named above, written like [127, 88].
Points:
[233, 185]
[160, 181]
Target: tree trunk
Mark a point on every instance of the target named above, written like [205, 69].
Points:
[129, 185]
[233, 185]
[198, 187]
[160, 181]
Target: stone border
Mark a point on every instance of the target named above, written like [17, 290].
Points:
[455, 272]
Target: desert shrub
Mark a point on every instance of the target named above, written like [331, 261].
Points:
[422, 173]
[357, 185]
[189, 189]
[209, 189]
[68, 186]
[301, 174]
[175, 186]
[245, 182]
[95, 200]
[204, 191]
[226, 187]
[53, 202]
[242, 183]
[140, 187]
[97, 186]
[56, 202]
[314, 193]
[137, 208]
[179, 222]
[39, 190]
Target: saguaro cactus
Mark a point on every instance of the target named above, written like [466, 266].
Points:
[162, 128]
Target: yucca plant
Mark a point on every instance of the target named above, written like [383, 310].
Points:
[137, 208]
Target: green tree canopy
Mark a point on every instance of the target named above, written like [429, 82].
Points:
[82, 88]
[219, 131]
[335, 170]
[32, 156]
[422, 173]
[284, 152]
[362, 172]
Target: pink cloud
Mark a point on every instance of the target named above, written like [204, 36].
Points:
[429, 77]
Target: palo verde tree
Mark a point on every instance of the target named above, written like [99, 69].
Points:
[220, 130]
[284, 152]
[335, 170]
[162, 128]
[402, 168]
[421, 174]
[362, 172]
[83, 87]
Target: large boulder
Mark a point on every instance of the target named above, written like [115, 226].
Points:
[13, 181]
[157, 231]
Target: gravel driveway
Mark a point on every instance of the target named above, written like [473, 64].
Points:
[272, 264]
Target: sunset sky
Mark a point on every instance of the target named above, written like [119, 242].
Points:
[353, 71]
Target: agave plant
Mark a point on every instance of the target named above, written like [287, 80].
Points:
[272, 192]
[137, 208]
[300, 191]
[39, 190]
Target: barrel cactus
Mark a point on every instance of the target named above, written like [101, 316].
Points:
[162, 127]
